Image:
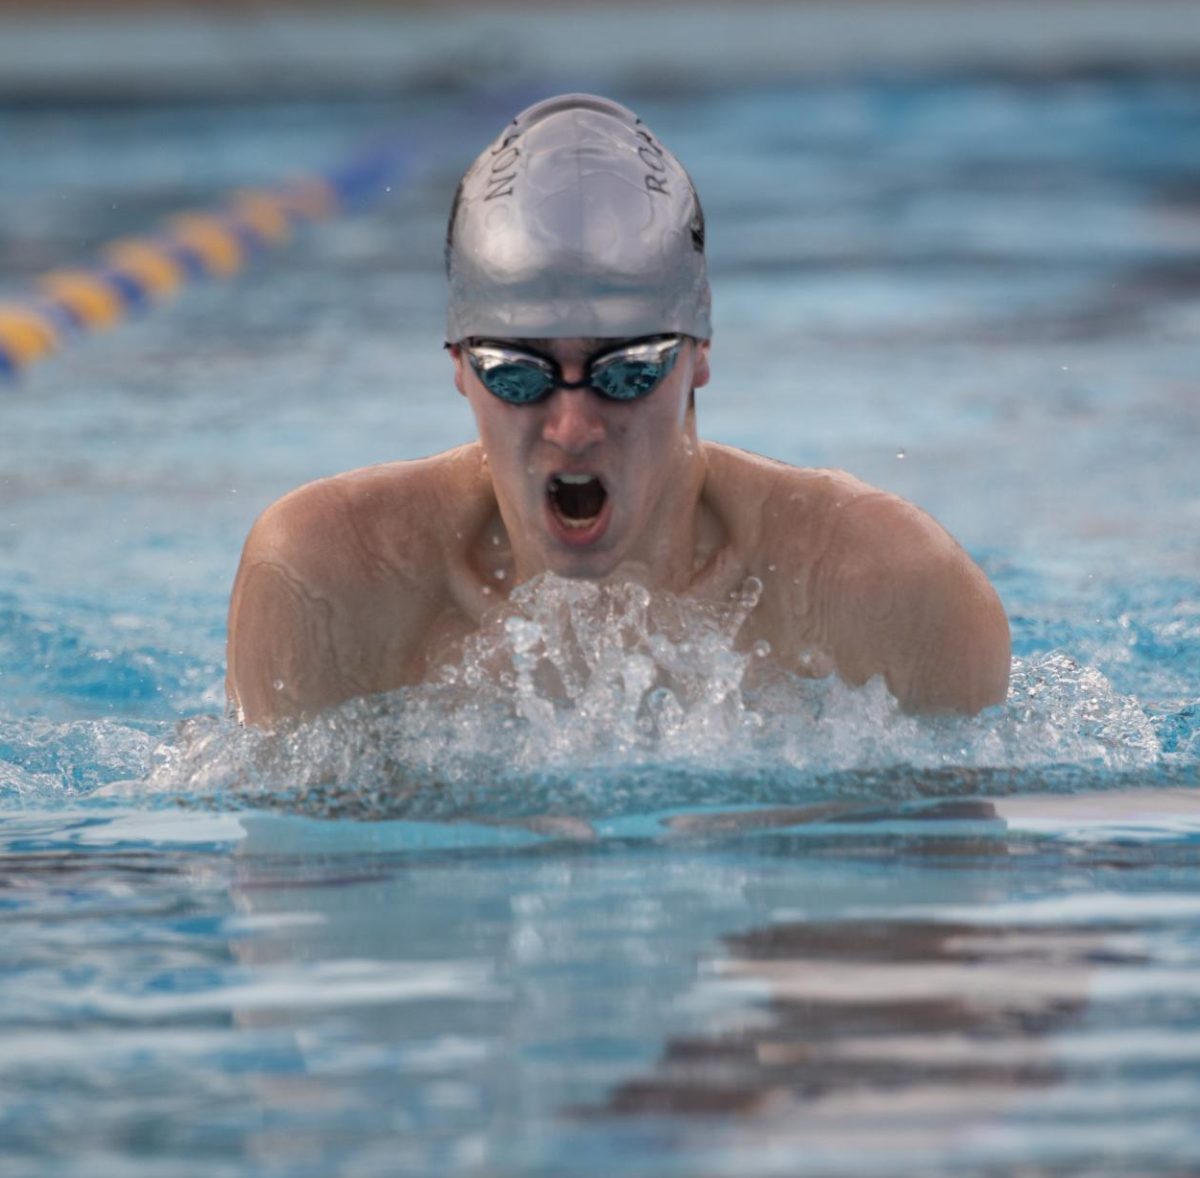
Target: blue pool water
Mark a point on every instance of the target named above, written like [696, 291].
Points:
[733, 925]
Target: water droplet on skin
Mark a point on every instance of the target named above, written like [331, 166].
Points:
[496, 540]
[278, 685]
[761, 648]
[770, 568]
[499, 574]
[486, 591]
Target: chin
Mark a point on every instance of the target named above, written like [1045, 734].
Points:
[582, 566]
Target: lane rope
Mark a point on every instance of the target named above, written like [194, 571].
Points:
[133, 274]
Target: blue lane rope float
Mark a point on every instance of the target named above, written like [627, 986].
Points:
[132, 274]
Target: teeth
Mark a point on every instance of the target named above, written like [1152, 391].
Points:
[576, 499]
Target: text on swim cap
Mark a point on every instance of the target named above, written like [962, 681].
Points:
[652, 156]
[503, 170]
[505, 154]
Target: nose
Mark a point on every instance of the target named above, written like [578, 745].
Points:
[574, 420]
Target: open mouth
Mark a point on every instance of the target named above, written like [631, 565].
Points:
[576, 499]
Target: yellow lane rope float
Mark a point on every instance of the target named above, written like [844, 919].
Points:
[133, 273]
[136, 272]
[25, 335]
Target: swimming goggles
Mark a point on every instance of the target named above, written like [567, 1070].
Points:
[622, 373]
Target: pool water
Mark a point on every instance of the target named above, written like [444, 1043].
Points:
[678, 914]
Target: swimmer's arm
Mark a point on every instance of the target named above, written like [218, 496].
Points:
[917, 610]
[282, 650]
[280, 660]
[322, 610]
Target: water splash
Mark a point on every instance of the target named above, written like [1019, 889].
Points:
[41, 760]
[610, 672]
[582, 698]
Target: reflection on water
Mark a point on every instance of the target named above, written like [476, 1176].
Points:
[860, 993]
[962, 1033]
[868, 1015]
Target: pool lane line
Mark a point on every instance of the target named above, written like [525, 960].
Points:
[135, 273]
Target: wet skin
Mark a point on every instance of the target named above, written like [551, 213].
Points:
[367, 581]
[645, 453]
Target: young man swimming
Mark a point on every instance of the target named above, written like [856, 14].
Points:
[579, 330]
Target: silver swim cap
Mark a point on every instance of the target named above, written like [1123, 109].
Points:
[576, 223]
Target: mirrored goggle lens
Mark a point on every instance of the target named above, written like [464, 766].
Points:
[622, 375]
[517, 380]
[629, 375]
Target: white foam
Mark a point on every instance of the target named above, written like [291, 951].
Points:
[610, 689]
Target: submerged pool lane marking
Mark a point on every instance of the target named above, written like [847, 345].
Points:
[135, 273]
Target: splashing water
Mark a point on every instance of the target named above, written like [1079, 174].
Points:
[613, 672]
[582, 697]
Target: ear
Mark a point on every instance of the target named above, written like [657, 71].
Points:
[456, 356]
[700, 371]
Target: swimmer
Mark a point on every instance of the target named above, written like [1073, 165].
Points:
[579, 330]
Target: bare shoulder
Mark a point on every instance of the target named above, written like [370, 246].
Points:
[358, 527]
[775, 509]
[872, 582]
[339, 581]
[905, 601]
